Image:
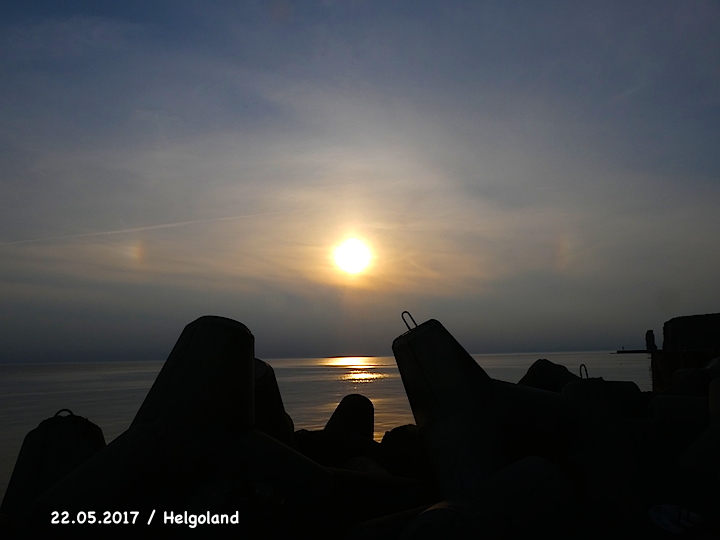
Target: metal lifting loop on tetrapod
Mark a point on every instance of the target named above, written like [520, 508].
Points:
[583, 366]
[402, 315]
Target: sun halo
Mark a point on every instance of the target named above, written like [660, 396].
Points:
[352, 256]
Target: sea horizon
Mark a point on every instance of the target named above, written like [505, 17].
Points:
[285, 358]
[110, 392]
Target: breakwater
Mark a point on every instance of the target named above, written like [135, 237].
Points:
[476, 451]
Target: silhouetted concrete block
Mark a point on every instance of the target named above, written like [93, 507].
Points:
[402, 454]
[49, 452]
[347, 434]
[691, 382]
[714, 400]
[680, 409]
[713, 363]
[207, 380]
[547, 375]
[388, 527]
[680, 420]
[279, 490]
[367, 465]
[692, 332]
[360, 496]
[531, 421]
[354, 416]
[451, 398]
[702, 457]
[453, 520]
[688, 342]
[333, 449]
[529, 498]
[607, 455]
[202, 397]
[628, 397]
[270, 415]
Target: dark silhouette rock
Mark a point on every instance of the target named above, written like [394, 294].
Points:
[628, 397]
[348, 434]
[555, 455]
[461, 519]
[650, 341]
[680, 420]
[691, 382]
[536, 422]
[607, 456]
[366, 464]
[207, 380]
[700, 461]
[270, 415]
[713, 363]
[688, 342]
[354, 416]
[278, 490]
[49, 452]
[451, 399]
[360, 496]
[529, 497]
[333, 449]
[714, 400]
[201, 399]
[546, 375]
[692, 333]
[475, 424]
[402, 454]
[388, 527]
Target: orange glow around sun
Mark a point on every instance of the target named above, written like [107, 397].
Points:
[352, 256]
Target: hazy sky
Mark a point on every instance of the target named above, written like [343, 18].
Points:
[536, 175]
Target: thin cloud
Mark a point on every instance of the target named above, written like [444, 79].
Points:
[138, 229]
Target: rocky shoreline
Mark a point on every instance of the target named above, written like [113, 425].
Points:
[554, 454]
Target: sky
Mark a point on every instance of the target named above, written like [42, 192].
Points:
[538, 176]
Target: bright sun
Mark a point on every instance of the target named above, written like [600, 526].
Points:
[352, 256]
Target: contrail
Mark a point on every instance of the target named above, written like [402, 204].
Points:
[137, 229]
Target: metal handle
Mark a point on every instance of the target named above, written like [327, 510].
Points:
[402, 315]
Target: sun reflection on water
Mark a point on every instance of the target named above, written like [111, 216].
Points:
[362, 376]
[355, 362]
[357, 369]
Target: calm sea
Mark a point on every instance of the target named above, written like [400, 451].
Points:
[109, 394]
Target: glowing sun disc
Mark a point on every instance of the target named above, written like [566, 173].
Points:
[352, 256]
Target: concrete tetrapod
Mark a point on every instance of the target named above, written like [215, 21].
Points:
[531, 421]
[270, 415]
[400, 452]
[354, 416]
[451, 399]
[208, 378]
[202, 397]
[530, 497]
[49, 452]
[347, 435]
[608, 456]
[547, 375]
[276, 490]
[701, 459]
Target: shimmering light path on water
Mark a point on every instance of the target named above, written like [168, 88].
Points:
[311, 387]
[110, 394]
